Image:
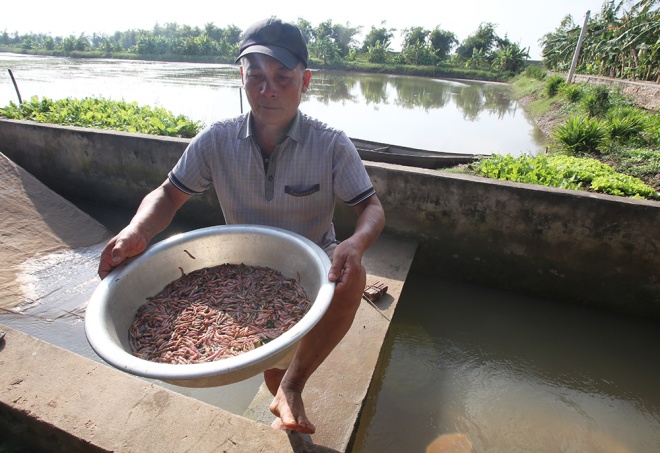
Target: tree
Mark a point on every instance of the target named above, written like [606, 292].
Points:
[325, 49]
[442, 42]
[332, 40]
[511, 58]
[232, 35]
[416, 50]
[69, 43]
[557, 48]
[213, 32]
[344, 36]
[477, 60]
[484, 40]
[377, 53]
[378, 37]
[82, 43]
[146, 45]
[49, 43]
[306, 29]
[415, 37]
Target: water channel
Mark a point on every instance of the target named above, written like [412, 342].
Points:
[508, 372]
[434, 114]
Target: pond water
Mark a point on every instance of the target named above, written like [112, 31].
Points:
[511, 373]
[456, 116]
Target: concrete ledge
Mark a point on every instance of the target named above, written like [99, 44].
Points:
[54, 400]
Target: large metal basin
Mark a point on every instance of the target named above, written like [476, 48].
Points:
[115, 301]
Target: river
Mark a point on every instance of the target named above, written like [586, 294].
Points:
[456, 116]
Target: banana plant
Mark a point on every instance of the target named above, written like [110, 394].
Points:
[619, 43]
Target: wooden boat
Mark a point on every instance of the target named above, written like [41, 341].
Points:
[412, 157]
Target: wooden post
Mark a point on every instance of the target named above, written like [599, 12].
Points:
[576, 54]
[11, 74]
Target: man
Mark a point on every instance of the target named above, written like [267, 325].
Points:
[274, 166]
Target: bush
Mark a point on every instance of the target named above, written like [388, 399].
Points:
[572, 92]
[596, 102]
[534, 71]
[553, 84]
[652, 130]
[580, 135]
[625, 125]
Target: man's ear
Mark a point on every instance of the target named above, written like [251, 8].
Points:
[242, 75]
[307, 76]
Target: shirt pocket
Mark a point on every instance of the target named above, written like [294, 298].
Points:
[302, 190]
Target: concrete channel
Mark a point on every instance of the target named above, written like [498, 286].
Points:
[589, 249]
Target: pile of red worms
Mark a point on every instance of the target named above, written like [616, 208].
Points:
[215, 313]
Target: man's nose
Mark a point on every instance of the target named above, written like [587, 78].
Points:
[268, 87]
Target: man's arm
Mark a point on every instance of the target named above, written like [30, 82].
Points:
[154, 215]
[369, 225]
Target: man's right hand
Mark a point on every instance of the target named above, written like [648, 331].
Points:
[128, 243]
[154, 215]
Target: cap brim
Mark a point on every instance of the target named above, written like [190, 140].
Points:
[279, 53]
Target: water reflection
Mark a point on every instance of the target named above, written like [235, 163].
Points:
[471, 98]
[442, 115]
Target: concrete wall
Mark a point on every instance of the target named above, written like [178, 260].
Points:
[596, 250]
[645, 94]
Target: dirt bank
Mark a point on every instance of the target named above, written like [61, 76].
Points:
[645, 95]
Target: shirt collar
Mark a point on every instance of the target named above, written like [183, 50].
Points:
[295, 130]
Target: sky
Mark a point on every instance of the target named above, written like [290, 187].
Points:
[522, 21]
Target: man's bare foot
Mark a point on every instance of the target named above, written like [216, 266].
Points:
[288, 406]
[272, 378]
[277, 424]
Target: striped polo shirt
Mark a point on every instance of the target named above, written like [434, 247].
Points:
[295, 190]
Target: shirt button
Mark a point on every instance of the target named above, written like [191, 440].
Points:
[270, 178]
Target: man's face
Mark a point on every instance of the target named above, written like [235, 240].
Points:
[273, 90]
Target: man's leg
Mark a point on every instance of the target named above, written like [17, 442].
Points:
[314, 348]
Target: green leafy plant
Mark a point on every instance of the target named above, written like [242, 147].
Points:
[553, 85]
[625, 125]
[572, 92]
[563, 171]
[102, 113]
[640, 163]
[535, 71]
[580, 135]
[622, 41]
[651, 131]
[596, 101]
